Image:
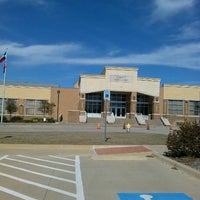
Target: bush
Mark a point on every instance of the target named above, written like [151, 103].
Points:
[185, 141]
[5, 119]
[51, 120]
[16, 119]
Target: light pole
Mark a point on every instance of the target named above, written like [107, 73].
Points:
[58, 99]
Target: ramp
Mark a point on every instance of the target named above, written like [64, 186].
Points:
[140, 119]
[165, 121]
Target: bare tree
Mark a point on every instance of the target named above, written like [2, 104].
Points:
[46, 107]
[11, 106]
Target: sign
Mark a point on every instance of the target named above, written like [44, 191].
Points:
[153, 196]
[107, 95]
[121, 79]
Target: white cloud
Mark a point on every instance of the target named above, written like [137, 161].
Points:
[184, 55]
[188, 32]
[40, 54]
[168, 8]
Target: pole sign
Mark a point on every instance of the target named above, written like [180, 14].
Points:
[153, 196]
[106, 95]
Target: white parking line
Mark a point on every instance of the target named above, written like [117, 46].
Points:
[44, 160]
[3, 157]
[39, 185]
[37, 173]
[69, 159]
[16, 194]
[43, 166]
[79, 184]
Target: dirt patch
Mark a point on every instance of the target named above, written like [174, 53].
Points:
[189, 161]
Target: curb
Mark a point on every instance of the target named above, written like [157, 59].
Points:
[190, 171]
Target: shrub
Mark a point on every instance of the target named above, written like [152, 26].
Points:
[16, 119]
[185, 141]
[5, 119]
[37, 120]
[51, 120]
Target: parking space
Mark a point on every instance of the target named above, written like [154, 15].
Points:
[34, 177]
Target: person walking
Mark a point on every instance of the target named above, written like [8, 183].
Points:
[128, 126]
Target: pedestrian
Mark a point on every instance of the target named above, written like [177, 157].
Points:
[128, 126]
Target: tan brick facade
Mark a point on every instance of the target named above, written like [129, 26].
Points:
[130, 94]
[68, 103]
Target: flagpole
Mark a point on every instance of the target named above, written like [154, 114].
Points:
[3, 89]
[3, 95]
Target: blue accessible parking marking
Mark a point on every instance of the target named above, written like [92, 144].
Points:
[153, 196]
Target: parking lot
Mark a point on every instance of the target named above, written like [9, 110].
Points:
[79, 173]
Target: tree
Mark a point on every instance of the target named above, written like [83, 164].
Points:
[46, 107]
[11, 106]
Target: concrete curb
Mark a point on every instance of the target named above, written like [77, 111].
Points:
[179, 166]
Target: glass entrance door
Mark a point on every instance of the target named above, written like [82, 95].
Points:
[118, 104]
[119, 111]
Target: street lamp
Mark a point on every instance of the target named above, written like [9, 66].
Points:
[58, 98]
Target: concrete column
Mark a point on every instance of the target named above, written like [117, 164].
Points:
[21, 107]
[155, 108]
[133, 104]
[82, 102]
[165, 106]
[186, 108]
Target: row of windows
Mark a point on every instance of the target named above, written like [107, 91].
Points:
[32, 107]
[176, 107]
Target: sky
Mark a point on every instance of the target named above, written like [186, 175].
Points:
[54, 41]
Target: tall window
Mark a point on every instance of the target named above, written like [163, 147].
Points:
[94, 102]
[175, 107]
[33, 107]
[194, 107]
[144, 104]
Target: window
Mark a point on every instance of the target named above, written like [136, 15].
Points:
[194, 107]
[175, 107]
[33, 107]
[30, 106]
[38, 105]
[94, 103]
[144, 104]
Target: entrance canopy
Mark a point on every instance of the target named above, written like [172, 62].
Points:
[119, 79]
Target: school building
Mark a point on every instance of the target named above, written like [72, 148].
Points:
[117, 91]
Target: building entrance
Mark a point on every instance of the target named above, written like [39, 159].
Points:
[119, 111]
[118, 104]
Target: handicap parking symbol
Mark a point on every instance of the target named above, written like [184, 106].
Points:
[153, 196]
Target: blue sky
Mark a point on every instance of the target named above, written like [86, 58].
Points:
[54, 41]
